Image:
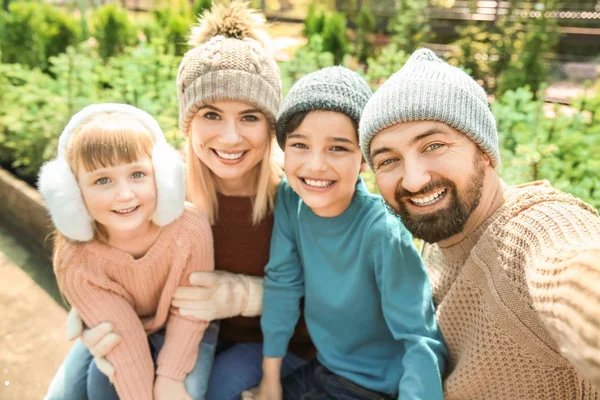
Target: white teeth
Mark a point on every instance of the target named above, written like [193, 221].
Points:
[230, 156]
[322, 184]
[425, 201]
[125, 211]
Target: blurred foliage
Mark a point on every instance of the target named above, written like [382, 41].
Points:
[410, 28]
[331, 27]
[365, 32]
[170, 28]
[510, 53]
[314, 23]
[556, 143]
[389, 60]
[113, 30]
[526, 64]
[31, 33]
[309, 58]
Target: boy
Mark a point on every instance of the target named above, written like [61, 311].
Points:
[367, 298]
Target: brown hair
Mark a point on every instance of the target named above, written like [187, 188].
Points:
[295, 120]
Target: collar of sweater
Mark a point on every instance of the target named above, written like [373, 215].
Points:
[121, 257]
[493, 207]
[515, 200]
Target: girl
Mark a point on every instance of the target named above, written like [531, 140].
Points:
[125, 242]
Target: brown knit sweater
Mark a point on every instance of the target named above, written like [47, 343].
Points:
[243, 248]
[108, 285]
[518, 301]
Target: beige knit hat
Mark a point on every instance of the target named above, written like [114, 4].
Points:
[230, 62]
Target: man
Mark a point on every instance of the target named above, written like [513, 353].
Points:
[515, 271]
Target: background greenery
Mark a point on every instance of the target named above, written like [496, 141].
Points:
[55, 61]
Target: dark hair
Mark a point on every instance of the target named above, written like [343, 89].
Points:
[295, 120]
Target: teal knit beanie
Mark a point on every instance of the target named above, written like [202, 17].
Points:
[428, 89]
[328, 89]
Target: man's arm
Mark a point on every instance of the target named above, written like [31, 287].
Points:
[565, 289]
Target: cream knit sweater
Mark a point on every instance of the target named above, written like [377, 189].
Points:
[518, 301]
[108, 285]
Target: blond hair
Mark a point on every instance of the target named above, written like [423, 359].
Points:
[202, 185]
[104, 141]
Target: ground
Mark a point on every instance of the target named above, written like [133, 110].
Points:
[32, 332]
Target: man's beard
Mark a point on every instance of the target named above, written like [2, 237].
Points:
[444, 223]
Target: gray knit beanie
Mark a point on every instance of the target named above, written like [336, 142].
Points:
[229, 62]
[428, 89]
[328, 89]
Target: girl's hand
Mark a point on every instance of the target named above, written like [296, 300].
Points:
[100, 340]
[169, 389]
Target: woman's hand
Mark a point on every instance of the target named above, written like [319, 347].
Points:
[100, 340]
[219, 295]
[170, 389]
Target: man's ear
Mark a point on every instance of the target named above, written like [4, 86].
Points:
[487, 161]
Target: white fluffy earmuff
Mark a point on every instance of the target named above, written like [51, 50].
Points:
[59, 188]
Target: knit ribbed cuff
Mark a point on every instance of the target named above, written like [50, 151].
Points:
[180, 350]
[275, 346]
[255, 297]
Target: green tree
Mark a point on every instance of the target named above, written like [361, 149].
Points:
[314, 23]
[410, 29]
[335, 36]
[170, 29]
[527, 64]
[112, 29]
[365, 28]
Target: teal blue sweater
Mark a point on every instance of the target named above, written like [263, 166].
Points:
[367, 297]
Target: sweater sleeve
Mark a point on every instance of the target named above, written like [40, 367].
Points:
[408, 310]
[284, 280]
[563, 278]
[183, 335]
[99, 300]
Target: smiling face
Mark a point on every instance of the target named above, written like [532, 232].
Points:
[323, 160]
[121, 198]
[231, 139]
[431, 175]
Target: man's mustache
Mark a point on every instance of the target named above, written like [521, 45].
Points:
[402, 193]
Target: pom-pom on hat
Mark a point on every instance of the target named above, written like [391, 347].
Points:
[230, 61]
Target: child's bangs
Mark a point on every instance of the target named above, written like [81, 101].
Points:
[110, 140]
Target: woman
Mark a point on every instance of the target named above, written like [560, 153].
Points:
[229, 92]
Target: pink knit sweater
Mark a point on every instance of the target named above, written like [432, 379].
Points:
[108, 285]
[518, 301]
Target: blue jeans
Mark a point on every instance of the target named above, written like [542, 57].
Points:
[314, 381]
[239, 367]
[79, 376]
